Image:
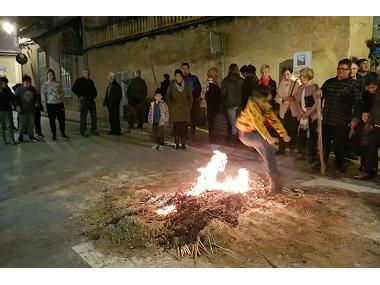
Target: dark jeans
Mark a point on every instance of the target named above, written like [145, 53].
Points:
[266, 151]
[136, 114]
[195, 114]
[291, 126]
[114, 118]
[311, 141]
[180, 131]
[37, 121]
[211, 115]
[338, 136]
[85, 107]
[158, 134]
[6, 118]
[56, 111]
[369, 153]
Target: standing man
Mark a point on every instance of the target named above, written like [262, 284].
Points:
[112, 101]
[26, 102]
[361, 76]
[193, 83]
[7, 100]
[250, 82]
[343, 105]
[164, 85]
[136, 94]
[85, 89]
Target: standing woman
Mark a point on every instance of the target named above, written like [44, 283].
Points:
[307, 105]
[289, 111]
[180, 100]
[52, 98]
[213, 100]
[267, 82]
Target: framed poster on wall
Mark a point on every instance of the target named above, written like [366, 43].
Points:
[302, 60]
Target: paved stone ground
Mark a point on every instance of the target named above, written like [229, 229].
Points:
[44, 186]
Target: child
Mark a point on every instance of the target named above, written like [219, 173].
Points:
[26, 101]
[367, 159]
[253, 133]
[158, 117]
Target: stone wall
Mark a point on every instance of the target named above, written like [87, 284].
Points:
[256, 40]
[13, 69]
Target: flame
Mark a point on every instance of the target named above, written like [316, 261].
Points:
[208, 180]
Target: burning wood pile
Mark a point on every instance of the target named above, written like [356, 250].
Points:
[181, 222]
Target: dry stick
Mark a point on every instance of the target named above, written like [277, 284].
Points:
[263, 255]
[174, 255]
[203, 246]
[320, 138]
[178, 253]
[188, 250]
[209, 242]
[226, 249]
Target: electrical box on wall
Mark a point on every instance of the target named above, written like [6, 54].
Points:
[216, 43]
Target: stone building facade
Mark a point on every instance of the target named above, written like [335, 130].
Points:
[161, 44]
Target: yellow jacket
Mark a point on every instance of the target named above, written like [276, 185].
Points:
[253, 119]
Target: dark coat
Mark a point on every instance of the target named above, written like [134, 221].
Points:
[85, 88]
[232, 91]
[179, 103]
[213, 99]
[7, 100]
[137, 91]
[248, 85]
[193, 83]
[164, 87]
[113, 95]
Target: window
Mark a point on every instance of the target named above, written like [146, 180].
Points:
[41, 58]
[66, 66]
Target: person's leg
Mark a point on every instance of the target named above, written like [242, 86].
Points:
[92, 109]
[29, 118]
[176, 133]
[9, 126]
[110, 119]
[37, 121]
[340, 135]
[161, 136]
[293, 131]
[61, 118]
[155, 133]
[51, 110]
[313, 140]
[285, 122]
[131, 116]
[327, 137]
[267, 152]
[140, 115]
[231, 113]
[116, 120]
[83, 116]
[211, 115]
[3, 125]
[22, 127]
[183, 133]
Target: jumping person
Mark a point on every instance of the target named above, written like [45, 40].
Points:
[180, 101]
[253, 132]
[85, 89]
[112, 100]
[52, 100]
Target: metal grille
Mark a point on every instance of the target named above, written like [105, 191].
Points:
[41, 58]
[66, 65]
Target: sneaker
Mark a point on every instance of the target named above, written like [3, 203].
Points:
[177, 146]
[160, 148]
[54, 138]
[183, 147]
[34, 139]
[155, 146]
[40, 135]
[64, 136]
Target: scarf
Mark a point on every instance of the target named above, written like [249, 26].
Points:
[265, 81]
[180, 87]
